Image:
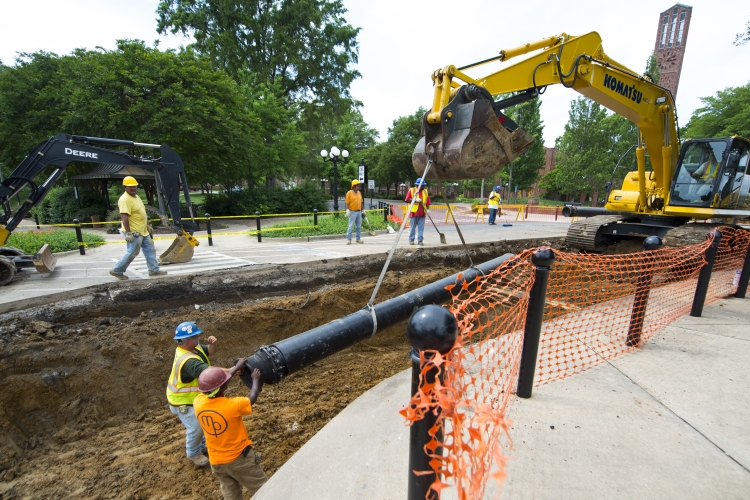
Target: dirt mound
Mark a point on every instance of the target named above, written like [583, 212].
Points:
[84, 412]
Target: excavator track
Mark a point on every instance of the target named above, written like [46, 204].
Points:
[584, 233]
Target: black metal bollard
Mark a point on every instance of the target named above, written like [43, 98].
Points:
[36, 219]
[208, 229]
[701, 289]
[315, 218]
[642, 291]
[430, 328]
[79, 237]
[385, 212]
[542, 259]
[744, 277]
[257, 221]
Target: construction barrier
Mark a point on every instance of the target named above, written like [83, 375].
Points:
[597, 307]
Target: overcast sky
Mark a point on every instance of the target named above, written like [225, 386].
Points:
[403, 41]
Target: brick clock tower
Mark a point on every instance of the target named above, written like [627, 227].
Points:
[671, 38]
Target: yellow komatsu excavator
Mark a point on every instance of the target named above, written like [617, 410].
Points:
[63, 149]
[465, 135]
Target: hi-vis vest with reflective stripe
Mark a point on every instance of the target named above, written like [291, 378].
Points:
[179, 393]
[423, 192]
[708, 172]
[493, 202]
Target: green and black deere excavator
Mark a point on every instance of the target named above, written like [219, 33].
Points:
[57, 153]
[466, 136]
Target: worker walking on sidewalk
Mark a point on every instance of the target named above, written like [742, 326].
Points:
[354, 204]
[191, 358]
[230, 450]
[418, 211]
[137, 232]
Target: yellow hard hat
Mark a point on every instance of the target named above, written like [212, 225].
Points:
[129, 181]
[355, 182]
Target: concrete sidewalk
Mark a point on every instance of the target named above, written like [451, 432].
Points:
[667, 421]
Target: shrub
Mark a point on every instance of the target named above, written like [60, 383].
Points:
[300, 199]
[61, 207]
[60, 240]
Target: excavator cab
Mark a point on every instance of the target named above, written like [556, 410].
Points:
[470, 139]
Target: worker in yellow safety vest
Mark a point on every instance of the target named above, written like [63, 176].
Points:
[190, 359]
[419, 210]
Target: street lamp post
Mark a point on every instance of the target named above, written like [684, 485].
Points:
[335, 156]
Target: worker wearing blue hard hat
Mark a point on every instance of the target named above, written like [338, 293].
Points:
[493, 203]
[419, 210]
[191, 358]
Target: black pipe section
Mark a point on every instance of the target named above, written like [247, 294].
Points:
[701, 289]
[642, 291]
[430, 328]
[574, 211]
[542, 259]
[290, 355]
[744, 277]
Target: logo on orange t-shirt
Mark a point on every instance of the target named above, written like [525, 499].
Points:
[213, 422]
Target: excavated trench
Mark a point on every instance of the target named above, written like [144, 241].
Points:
[84, 412]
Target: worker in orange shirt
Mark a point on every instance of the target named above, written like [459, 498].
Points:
[230, 450]
[354, 204]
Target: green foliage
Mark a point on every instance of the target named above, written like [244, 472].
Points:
[652, 67]
[727, 113]
[526, 168]
[743, 38]
[584, 163]
[327, 224]
[267, 201]
[60, 206]
[60, 240]
[391, 161]
[305, 46]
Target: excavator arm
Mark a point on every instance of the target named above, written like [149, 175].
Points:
[59, 151]
[467, 136]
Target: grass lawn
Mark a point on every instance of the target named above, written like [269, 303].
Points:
[327, 224]
[60, 240]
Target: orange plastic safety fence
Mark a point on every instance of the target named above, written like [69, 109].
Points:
[597, 307]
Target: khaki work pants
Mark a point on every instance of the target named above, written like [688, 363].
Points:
[242, 471]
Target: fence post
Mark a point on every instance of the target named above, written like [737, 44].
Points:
[385, 212]
[642, 291]
[79, 237]
[208, 229]
[744, 277]
[542, 260]
[36, 219]
[257, 223]
[701, 289]
[315, 218]
[430, 328]
[526, 213]
[557, 211]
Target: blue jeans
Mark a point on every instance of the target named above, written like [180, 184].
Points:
[355, 219]
[195, 441]
[133, 249]
[416, 222]
[493, 214]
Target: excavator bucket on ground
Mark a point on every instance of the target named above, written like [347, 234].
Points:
[43, 260]
[181, 250]
[470, 141]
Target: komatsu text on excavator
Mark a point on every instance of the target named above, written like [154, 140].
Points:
[57, 153]
[466, 136]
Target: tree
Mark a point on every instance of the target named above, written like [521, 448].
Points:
[583, 164]
[394, 164]
[726, 113]
[304, 46]
[526, 168]
[743, 38]
[652, 67]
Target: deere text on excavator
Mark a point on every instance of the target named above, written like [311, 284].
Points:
[466, 136]
[58, 152]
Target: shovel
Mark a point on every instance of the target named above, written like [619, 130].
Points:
[442, 236]
[372, 233]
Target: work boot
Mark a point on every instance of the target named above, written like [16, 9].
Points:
[157, 273]
[360, 241]
[411, 242]
[118, 276]
[200, 460]
[348, 242]
[421, 243]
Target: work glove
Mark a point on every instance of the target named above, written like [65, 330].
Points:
[129, 237]
[348, 212]
[427, 211]
[364, 214]
[150, 230]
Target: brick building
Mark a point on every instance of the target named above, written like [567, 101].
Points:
[671, 38]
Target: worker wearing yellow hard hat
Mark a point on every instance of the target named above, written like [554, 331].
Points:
[354, 204]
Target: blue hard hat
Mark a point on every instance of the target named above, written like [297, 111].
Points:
[497, 188]
[186, 329]
[419, 181]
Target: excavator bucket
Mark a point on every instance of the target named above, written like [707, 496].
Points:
[181, 250]
[471, 141]
[43, 260]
